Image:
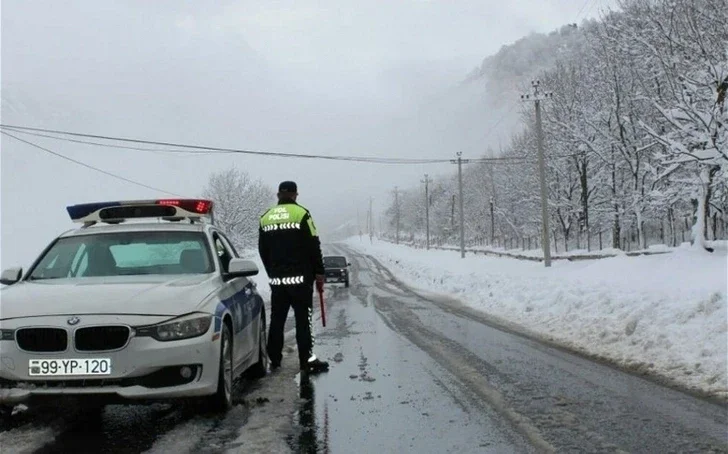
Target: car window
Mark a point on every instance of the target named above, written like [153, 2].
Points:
[56, 262]
[80, 262]
[125, 253]
[335, 262]
[223, 253]
[229, 244]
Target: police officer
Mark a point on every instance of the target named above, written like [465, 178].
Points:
[290, 249]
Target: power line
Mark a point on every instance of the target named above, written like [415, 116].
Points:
[88, 166]
[582, 9]
[109, 145]
[205, 148]
[181, 148]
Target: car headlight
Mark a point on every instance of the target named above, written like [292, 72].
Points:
[185, 327]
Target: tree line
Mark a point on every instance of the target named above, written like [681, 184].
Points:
[636, 140]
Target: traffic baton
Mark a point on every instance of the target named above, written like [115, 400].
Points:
[323, 307]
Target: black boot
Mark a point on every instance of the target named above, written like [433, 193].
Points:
[315, 366]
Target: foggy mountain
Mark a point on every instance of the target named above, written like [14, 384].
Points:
[475, 113]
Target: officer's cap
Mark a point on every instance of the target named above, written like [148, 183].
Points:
[288, 187]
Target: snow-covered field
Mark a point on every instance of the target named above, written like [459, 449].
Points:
[666, 315]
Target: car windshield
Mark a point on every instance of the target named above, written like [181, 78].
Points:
[335, 262]
[125, 254]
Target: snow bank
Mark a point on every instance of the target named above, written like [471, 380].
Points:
[665, 315]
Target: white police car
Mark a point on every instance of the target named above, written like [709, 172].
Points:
[133, 311]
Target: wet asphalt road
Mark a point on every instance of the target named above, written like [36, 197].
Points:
[411, 372]
[419, 373]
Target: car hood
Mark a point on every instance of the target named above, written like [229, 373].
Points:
[142, 295]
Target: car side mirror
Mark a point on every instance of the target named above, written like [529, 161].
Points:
[11, 275]
[241, 268]
[348, 264]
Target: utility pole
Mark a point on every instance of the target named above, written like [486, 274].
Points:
[371, 221]
[492, 222]
[368, 223]
[537, 97]
[427, 209]
[459, 161]
[358, 221]
[396, 206]
[493, 201]
[452, 213]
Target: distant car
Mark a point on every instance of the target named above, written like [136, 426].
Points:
[337, 269]
[133, 311]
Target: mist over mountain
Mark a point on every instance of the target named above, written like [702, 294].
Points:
[205, 79]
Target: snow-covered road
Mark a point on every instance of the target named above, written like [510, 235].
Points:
[412, 371]
[418, 372]
[665, 315]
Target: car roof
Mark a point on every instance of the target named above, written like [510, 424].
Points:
[137, 227]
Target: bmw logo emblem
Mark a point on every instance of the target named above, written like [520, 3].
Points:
[73, 320]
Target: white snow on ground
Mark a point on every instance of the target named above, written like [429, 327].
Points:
[25, 440]
[664, 314]
[263, 423]
[270, 424]
[182, 439]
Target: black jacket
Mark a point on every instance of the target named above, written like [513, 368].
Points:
[289, 245]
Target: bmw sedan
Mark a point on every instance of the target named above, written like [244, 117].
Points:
[133, 311]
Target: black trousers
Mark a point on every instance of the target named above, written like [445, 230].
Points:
[300, 297]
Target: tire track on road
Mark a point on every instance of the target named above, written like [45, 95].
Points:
[593, 417]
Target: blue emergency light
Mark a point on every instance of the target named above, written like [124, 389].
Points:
[84, 209]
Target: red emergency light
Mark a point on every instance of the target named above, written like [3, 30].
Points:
[200, 206]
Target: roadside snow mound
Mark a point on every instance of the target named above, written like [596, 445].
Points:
[664, 315]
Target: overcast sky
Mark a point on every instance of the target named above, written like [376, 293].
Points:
[331, 77]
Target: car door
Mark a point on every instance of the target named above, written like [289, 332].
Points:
[239, 297]
[252, 305]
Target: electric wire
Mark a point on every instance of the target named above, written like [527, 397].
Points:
[203, 149]
[88, 166]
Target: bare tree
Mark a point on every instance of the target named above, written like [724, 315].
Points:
[239, 201]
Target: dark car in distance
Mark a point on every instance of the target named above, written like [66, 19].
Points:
[337, 269]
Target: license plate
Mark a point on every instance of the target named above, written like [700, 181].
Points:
[69, 367]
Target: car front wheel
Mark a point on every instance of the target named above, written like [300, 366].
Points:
[222, 400]
[260, 369]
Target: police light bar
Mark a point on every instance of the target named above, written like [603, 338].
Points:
[134, 209]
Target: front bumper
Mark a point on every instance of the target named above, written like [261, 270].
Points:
[336, 276]
[145, 369]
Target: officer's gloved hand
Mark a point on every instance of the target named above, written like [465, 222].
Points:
[320, 283]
